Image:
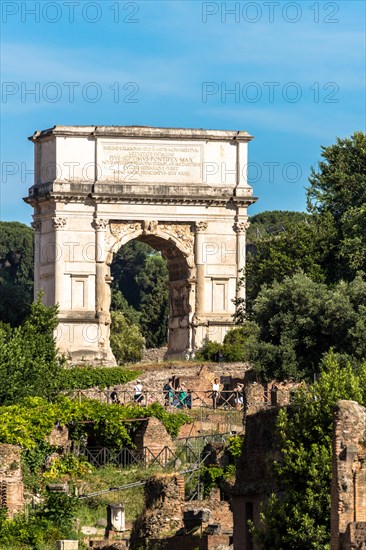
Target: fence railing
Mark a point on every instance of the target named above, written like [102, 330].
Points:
[225, 400]
[187, 450]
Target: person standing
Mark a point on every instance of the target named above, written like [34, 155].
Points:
[182, 394]
[168, 393]
[215, 394]
[240, 396]
[138, 397]
[114, 396]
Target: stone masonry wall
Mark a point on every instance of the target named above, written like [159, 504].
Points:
[11, 482]
[154, 436]
[348, 491]
[254, 480]
[163, 514]
[220, 511]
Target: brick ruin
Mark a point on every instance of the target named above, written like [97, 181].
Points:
[254, 481]
[164, 500]
[263, 395]
[170, 522]
[59, 437]
[11, 481]
[348, 491]
[153, 435]
[253, 474]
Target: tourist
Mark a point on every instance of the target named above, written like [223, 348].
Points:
[239, 395]
[182, 394]
[188, 399]
[138, 397]
[215, 393]
[274, 391]
[168, 392]
[114, 396]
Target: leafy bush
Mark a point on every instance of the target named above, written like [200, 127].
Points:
[235, 446]
[235, 346]
[127, 342]
[211, 477]
[89, 377]
[53, 521]
[67, 467]
[36, 457]
[31, 421]
[29, 365]
[59, 509]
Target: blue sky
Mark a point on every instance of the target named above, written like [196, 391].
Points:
[295, 70]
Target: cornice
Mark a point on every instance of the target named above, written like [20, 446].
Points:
[142, 132]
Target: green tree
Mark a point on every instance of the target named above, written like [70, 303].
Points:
[16, 272]
[29, 365]
[338, 189]
[298, 514]
[119, 303]
[273, 222]
[299, 320]
[140, 279]
[154, 301]
[128, 262]
[302, 244]
[127, 342]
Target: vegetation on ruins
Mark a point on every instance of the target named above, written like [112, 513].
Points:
[298, 515]
[80, 378]
[212, 475]
[127, 342]
[29, 422]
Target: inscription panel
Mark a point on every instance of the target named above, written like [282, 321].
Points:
[135, 162]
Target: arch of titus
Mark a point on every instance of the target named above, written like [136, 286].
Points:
[182, 191]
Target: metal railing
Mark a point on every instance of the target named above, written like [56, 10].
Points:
[225, 400]
[188, 451]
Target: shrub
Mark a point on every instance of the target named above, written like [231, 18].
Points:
[31, 421]
[89, 377]
[235, 346]
[127, 342]
[29, 365]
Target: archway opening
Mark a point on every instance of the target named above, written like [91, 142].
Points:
[152, 287]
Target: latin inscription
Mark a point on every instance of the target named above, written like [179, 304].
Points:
[150, 162]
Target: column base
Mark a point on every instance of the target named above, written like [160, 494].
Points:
[84, 343]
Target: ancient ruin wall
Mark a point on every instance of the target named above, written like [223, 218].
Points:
[254, 481]
[11, 482]
[348, 492]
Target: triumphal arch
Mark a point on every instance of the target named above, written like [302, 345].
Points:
[185, 192]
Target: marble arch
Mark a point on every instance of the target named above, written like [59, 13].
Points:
[183, 191]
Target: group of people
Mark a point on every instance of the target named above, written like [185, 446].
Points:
[137, 395]
[217, 394]
[177, 395]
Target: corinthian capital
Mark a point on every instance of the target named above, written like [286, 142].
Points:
[100, 223]
[242, 227]
[200, 227]
[58, 223]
